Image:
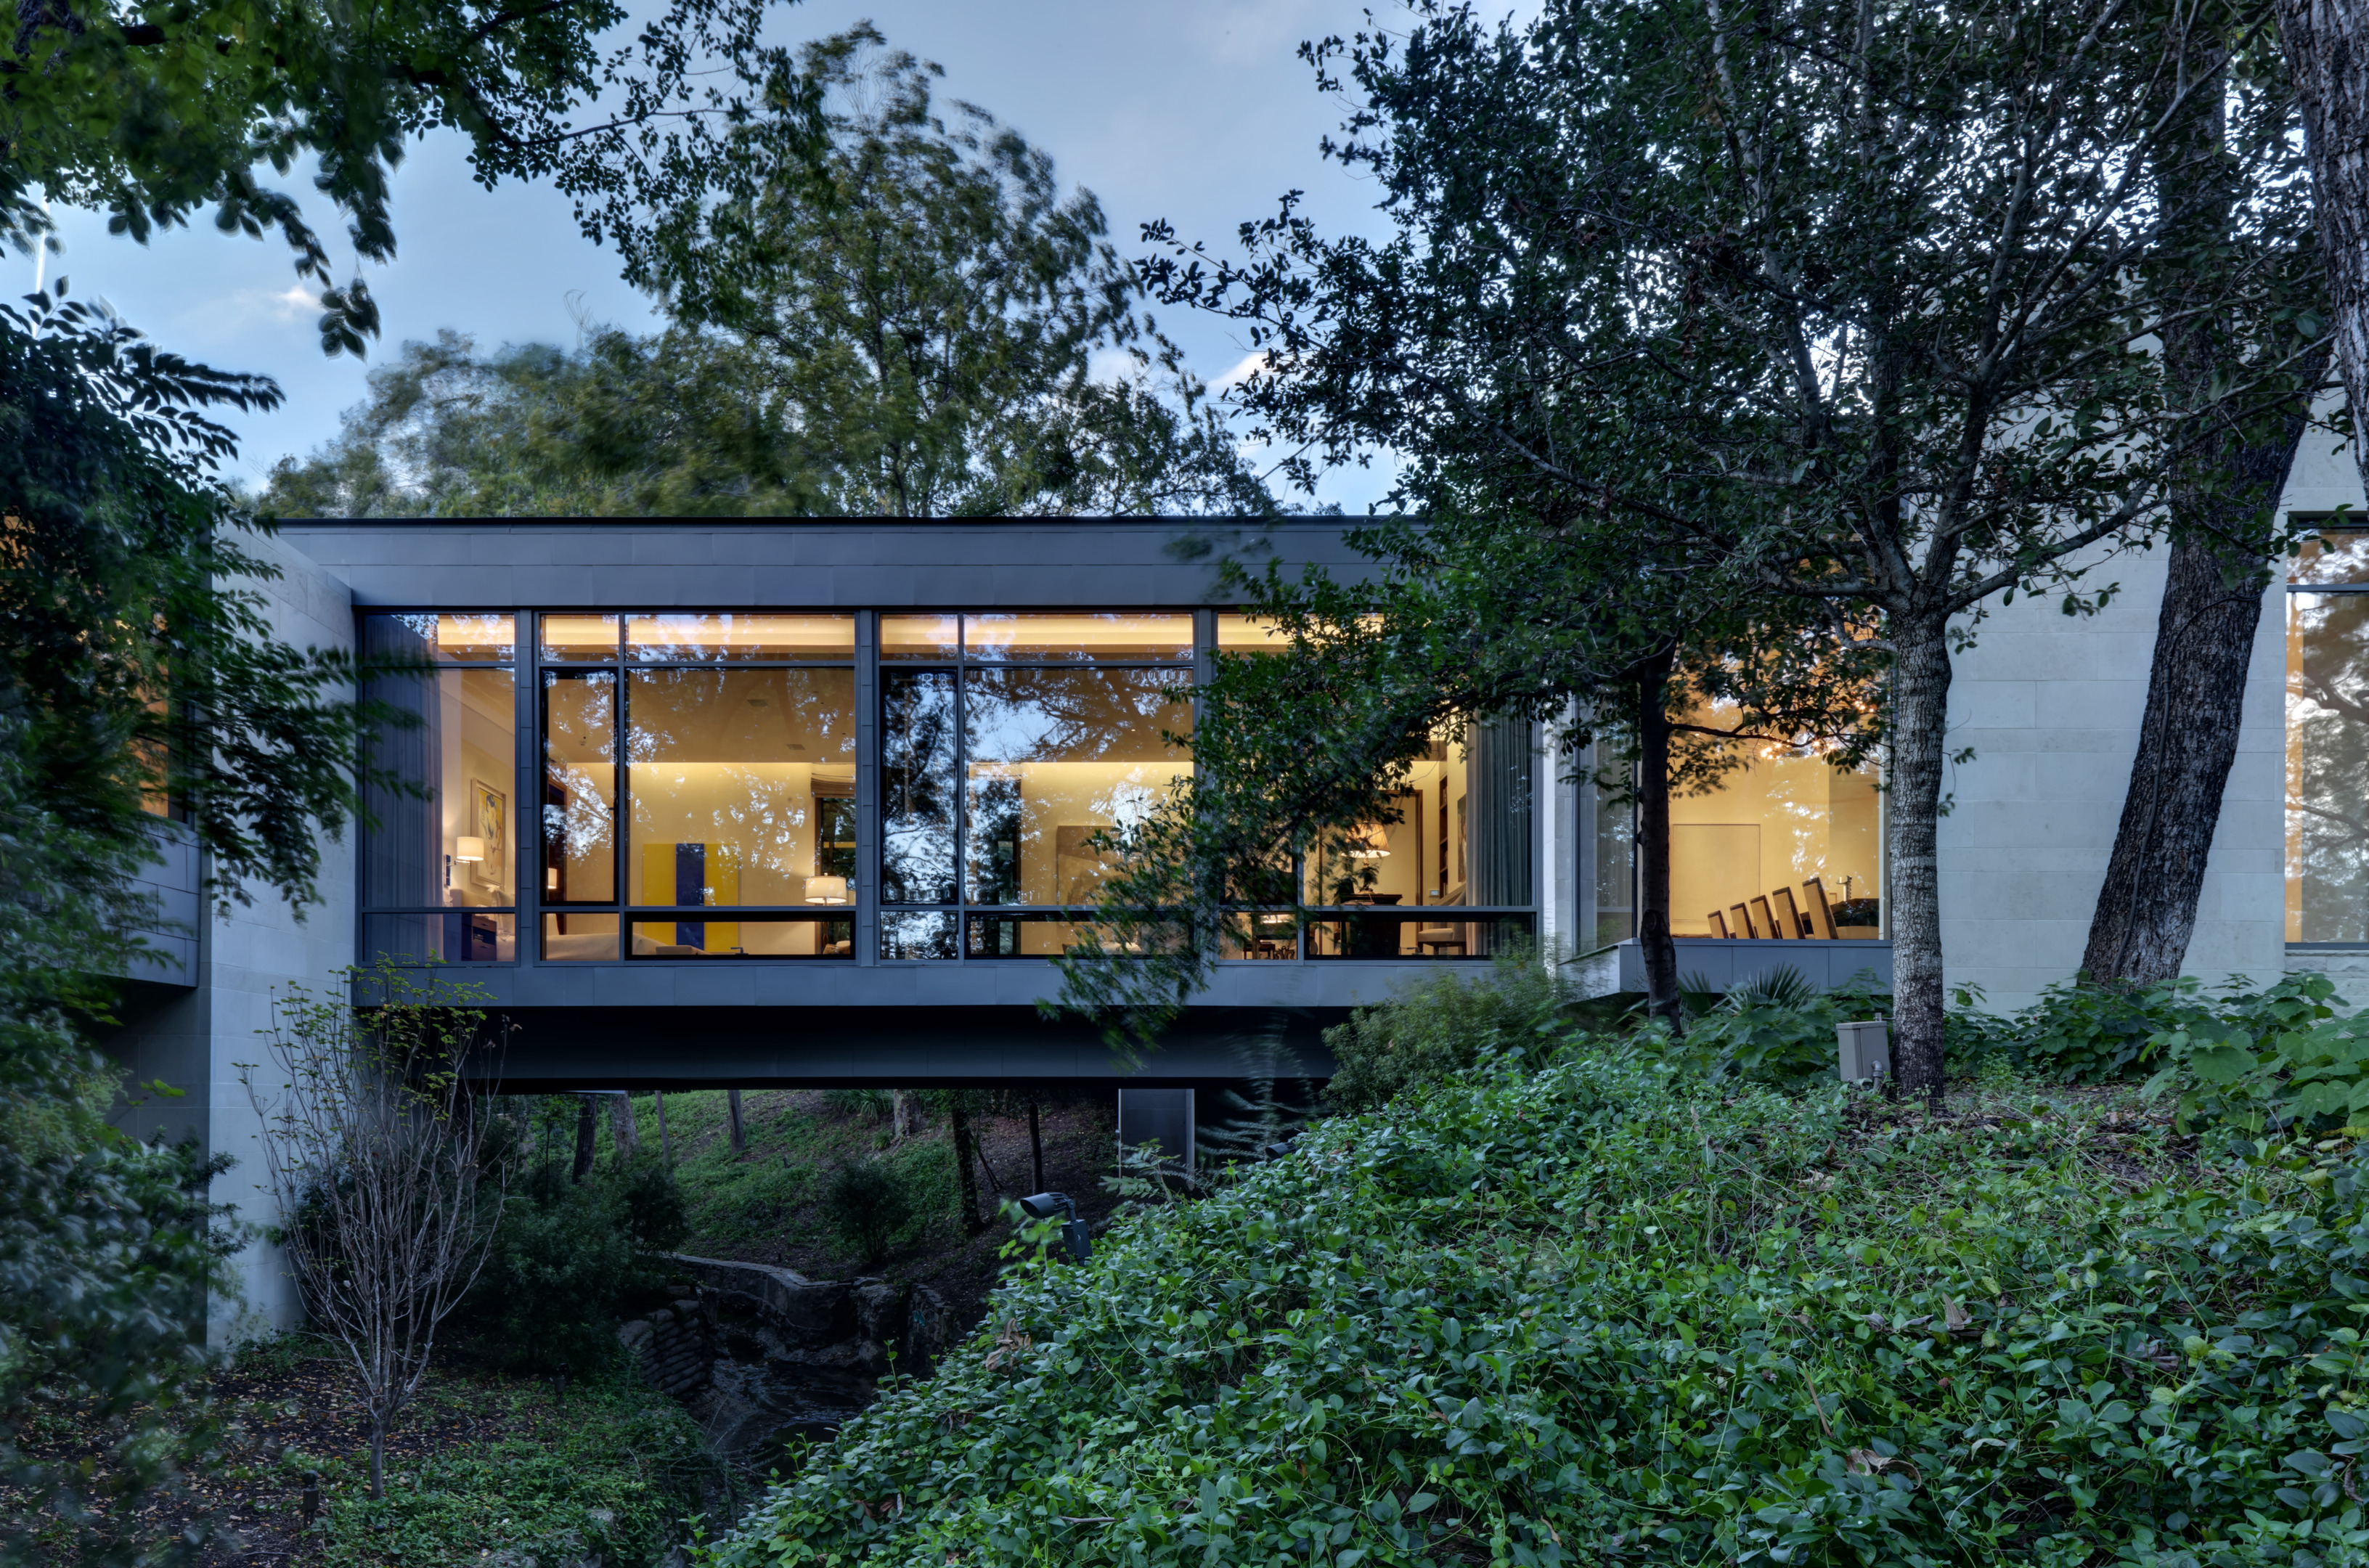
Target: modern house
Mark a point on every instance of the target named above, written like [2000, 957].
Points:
[813, 802]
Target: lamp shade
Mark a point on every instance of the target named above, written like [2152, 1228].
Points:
[1369, 843]
[468, 849]
[826, 890]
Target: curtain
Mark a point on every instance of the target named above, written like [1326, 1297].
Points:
[1502, 754]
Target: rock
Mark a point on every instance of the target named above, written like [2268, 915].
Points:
[879, 1309]
[806, 1311]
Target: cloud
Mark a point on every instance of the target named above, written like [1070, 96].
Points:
[1242, 370]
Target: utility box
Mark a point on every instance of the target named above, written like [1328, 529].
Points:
[1866, 1050]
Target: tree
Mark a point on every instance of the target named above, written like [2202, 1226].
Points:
[2327, 47]
[136, 677]
[2219, 505]
[917, 324]
[155, 111]
[1843, 305]
[378, 1158]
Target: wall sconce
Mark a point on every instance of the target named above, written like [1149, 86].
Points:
[826, 890]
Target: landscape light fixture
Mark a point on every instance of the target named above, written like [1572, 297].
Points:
[1048, 1205]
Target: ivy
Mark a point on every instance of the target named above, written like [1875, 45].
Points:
[1613, 1311]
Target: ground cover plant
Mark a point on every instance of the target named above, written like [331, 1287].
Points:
[484, 1465]
[1611, 1310]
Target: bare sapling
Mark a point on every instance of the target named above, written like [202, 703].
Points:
[390, 1179]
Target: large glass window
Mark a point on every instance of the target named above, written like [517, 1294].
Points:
[440, 853]
[2328, 741]
[1447, 871]
[716, 772]
[1457, 838]
[1787, 846]
[1004, 770]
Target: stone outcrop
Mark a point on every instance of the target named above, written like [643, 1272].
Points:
[674, 1347]
[760, 1352]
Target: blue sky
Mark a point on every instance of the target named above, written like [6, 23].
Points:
[1197, 111]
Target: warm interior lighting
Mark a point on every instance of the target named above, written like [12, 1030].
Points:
[469, 850]
[1369, 843]
[826, 890]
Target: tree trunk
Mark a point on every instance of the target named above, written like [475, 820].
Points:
[378, 1460]
[966, 1179]
[2222, 496]
[1653, 941]
[583, 1139]
[666, 1144]
[739, 1128]
[625, 1128]
[2196, 689]
[1911, 893]
[1036, 1148]
[2327, 47]
[901, 1117]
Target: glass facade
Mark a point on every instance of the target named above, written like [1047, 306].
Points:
[1787, 846]
[2328, 741]
[439, 862]
[696, 787]
[1008, 768]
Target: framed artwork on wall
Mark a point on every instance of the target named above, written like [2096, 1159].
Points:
[490, 810]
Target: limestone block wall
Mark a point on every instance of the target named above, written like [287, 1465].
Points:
[264, 944]
[194, 1039]
[2051, 706]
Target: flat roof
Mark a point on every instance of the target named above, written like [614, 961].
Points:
[849, 562]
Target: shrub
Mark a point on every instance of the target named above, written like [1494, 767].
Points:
[610, 1483]
[877, 1105]
[564, 1261]
[1441, 1028]
[1779, 1029]
[871, 1205]
[2272, 1061]
[1610, 1312]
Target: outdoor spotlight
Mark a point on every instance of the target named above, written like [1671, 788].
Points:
[1277, 1150]
[1048, 1206]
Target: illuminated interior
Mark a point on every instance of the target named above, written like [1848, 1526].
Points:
[2328, 743]
[1787, 846]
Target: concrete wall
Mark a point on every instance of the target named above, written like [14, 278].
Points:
[195, 1039]
[2051, 706]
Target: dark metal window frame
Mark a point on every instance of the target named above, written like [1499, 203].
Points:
[963, 910]
[516, 664]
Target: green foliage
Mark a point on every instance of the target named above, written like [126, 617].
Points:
[2076, 1032]
[906, 318]
[565, 1260]
[153, 112]
[1440, 1028]
[122, 555]
[614, 1482]
[872, 1205]
[1780, 1030]
[1611, 1311]
[2274, 1061]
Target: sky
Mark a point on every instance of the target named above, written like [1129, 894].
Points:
[1199, 112]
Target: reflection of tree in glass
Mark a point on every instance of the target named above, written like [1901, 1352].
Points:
[2327, 763]
[579, 762]
[746, 726]
[917, 803]
[1017, 718]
